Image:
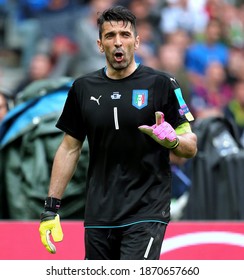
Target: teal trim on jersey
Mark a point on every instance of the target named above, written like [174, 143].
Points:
[184, 110]
[130, 224]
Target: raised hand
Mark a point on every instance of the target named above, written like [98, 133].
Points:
[162, 132]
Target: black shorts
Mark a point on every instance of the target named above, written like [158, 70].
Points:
[142, 241]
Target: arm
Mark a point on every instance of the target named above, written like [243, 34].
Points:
[187, 147]
[64, 165]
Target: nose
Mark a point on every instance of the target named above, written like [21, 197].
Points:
[117, 42]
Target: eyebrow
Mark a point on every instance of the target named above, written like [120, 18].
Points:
[120, 32]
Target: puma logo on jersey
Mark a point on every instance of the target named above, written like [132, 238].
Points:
[173, 80]
[96, 99]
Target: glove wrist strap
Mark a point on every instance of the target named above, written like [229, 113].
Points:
[52, 204]
[176, 144]
[47, 216]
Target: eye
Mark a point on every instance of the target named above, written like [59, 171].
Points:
[126, 35]
[109, 36]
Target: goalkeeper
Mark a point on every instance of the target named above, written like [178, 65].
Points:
[133, 116]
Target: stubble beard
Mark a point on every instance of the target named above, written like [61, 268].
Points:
[119, 66]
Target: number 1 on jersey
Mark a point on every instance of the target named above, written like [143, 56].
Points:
[116, 122]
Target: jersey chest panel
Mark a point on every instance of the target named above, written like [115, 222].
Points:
[118, 106]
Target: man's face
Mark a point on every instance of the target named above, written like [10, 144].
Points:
[119, 43]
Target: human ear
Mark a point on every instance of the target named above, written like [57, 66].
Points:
[137, 43]
[100, 46]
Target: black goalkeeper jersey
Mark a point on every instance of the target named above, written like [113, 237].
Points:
[129, 177]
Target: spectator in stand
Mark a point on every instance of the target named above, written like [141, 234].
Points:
[148, 18]
[63, 53]
[214, 9]
[235, 108]
[31, 22]
[148, 11]
[4, 103]
[89, 58]
[201, 53]
[179, 38]
[234, 25]
[59, 18]
[41, 67]
[23, 28]
[235, 67]
[171, 59]
[147, 53]
[178, 14]
[145, 9]
[211, 98]
[4, 13]
[57, 24]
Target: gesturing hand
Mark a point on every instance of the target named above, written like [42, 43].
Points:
[50, 225]
[162, 132]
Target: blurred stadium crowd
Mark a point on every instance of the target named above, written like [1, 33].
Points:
[200, 42]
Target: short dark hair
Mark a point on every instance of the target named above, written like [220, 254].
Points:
[116, 13]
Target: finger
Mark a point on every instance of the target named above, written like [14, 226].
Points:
[45, 239]
[146, 129]
[172, 136]
[50, 246]
[159, 117]
[57, 232]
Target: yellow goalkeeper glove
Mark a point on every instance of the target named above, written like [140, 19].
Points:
[50, 224]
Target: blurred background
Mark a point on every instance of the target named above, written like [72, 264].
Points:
[46, 44]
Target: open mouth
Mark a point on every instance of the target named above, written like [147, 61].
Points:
[118, 56]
